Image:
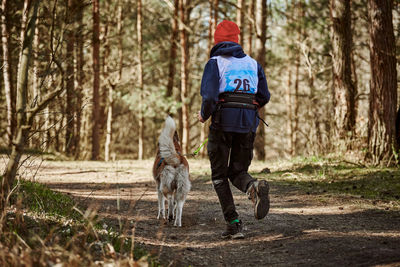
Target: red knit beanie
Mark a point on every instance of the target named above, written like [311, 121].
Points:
[226, 31]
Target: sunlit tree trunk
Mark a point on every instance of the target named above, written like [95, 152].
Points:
[261, 23]
[36, 94]
[112, 85]
[289, 110]
[240, 19]
[296, 106]
[96, 82]
[140, 77]
[8, 85]
[383, 91]
[24, 120]
[345, 92]
[250, 27]
[24, 19]
[184, 73]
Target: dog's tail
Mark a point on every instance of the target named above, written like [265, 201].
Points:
[166, 143]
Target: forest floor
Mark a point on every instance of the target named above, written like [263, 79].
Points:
[319, 216]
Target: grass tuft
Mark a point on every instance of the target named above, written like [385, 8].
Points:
[44, 227]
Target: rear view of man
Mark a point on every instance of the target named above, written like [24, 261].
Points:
[233, 88]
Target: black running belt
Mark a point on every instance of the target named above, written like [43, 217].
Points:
[238, 105]
[237, 100]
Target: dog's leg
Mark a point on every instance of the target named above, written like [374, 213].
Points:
[178, 217]
[161, 204]
[170, 207]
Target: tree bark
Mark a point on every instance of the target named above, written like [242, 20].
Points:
[79, 78]
[250, 26]
[112, 85]
[261, 23]
[24, 121]
[96, 82]
[172, 51]
[70, 82]
[240, 19]
[383, 91]
[184, 79]
[140, 78]
[7, 75]
[345, 91]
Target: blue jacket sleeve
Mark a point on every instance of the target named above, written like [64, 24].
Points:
[209, 88]
[263, 95]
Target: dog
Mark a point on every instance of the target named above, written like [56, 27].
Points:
[171, 173]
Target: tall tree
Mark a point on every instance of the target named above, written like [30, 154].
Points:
[172, 51]
[113, 84]
[184, 74]
[240, 18]
[96, 82]
[261, 26]
[383, 86]
[250, 27]
[8, 85]
[289, 111]
[79, 76]
[140, 77]
[345, 91]
[25, 116]
[70, 76]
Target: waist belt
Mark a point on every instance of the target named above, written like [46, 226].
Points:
[237, 100]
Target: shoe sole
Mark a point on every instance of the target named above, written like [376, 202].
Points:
[262, 205]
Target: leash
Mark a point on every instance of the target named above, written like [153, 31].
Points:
[262, 120]
[196, 152]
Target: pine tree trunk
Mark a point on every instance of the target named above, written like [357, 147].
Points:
[79, 79]
[35, 86]
[70, 82]
[250, 27]
[24, 122]
[345, 112]
[289, 111]
[240, 19]
[184, 79]
[383, 92]
[140, 78]
[8, 85]
[111, 86]
[296, 105]
[96, 82]
[261, 23]
[172, 51]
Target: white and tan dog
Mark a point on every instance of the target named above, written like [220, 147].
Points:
[171, 173]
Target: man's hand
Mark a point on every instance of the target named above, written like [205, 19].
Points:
[199, 117]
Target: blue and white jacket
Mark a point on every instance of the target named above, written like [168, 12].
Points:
[230, 69]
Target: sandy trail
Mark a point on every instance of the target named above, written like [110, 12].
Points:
[300, 230]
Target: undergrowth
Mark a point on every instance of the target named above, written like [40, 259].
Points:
[320, 175]
[43, 227]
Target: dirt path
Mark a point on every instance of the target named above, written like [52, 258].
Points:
[300, 230]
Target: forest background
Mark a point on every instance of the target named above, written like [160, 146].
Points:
[96, 79]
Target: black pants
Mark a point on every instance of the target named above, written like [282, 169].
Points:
[230, 157]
